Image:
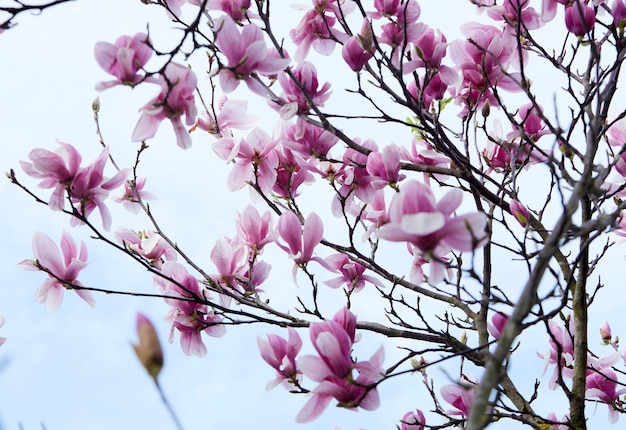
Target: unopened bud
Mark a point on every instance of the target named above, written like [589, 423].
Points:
[605, 332]
[95, 105]
[520, 212]
[414, 363]
[148, 350]
[486, 110]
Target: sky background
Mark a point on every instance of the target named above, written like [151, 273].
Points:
[74, 368]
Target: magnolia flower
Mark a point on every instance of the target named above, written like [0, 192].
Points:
[460, 396]
[432, 227]
[147, 244]
[123, 59]
[333, 368]
[579, 18]
[300, 240]
[498, 321]
[90, 188]
[176, 99]
[133, 193]
[281, 355]
[55, 169]
[351, 274]
[413, 420]
[247, 53]
[61, 266]
[602, 385]
[253, 228]
[305, 77]
[188, 317]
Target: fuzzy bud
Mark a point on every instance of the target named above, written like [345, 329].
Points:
[148, 350]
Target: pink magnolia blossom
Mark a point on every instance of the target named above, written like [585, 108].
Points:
[616, 134]
[351, 274]
[295, 101]
[358, 49]
[333, 368]
[175, 7]
[334, 348]
[247, 53]
[355, 180]
[417, 218]
[236, 9]
[55, 169]
[606, 335]
[498, 321]
[281, 355]
[254, 230]
[176, 99]
[430, 49]
[375, 212]
[62, 267]
[300, 240]
[385, 166]
[530, 117]
[148, 245]
[309, 140]
[230, 259]
[133, 193]
[317, 29]
[514, 11]
[484, 59]
[348, 394]
[401, 31]
[257, 161]
[395, 9]
[292, 172]
[460, 396]
[579, 18]
[548, 8]
[232, 114]
[190, 318]
[355, 54]
[618, 11]
[422, 152]
[510, 153]
[90, 188]
[603, 386]
[124, 59]
[413, 421]
[561, 342]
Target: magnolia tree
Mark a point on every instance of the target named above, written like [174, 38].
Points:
[482, 210]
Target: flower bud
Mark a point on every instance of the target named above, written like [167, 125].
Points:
[148, 350]
[520, 212]
[605, 332]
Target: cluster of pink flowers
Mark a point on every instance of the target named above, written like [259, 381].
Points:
[124, 60]
[602, 380]
[333, 367]
[86, 187]
[415, 217]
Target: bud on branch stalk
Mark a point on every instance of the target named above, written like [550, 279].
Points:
[148, 350]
